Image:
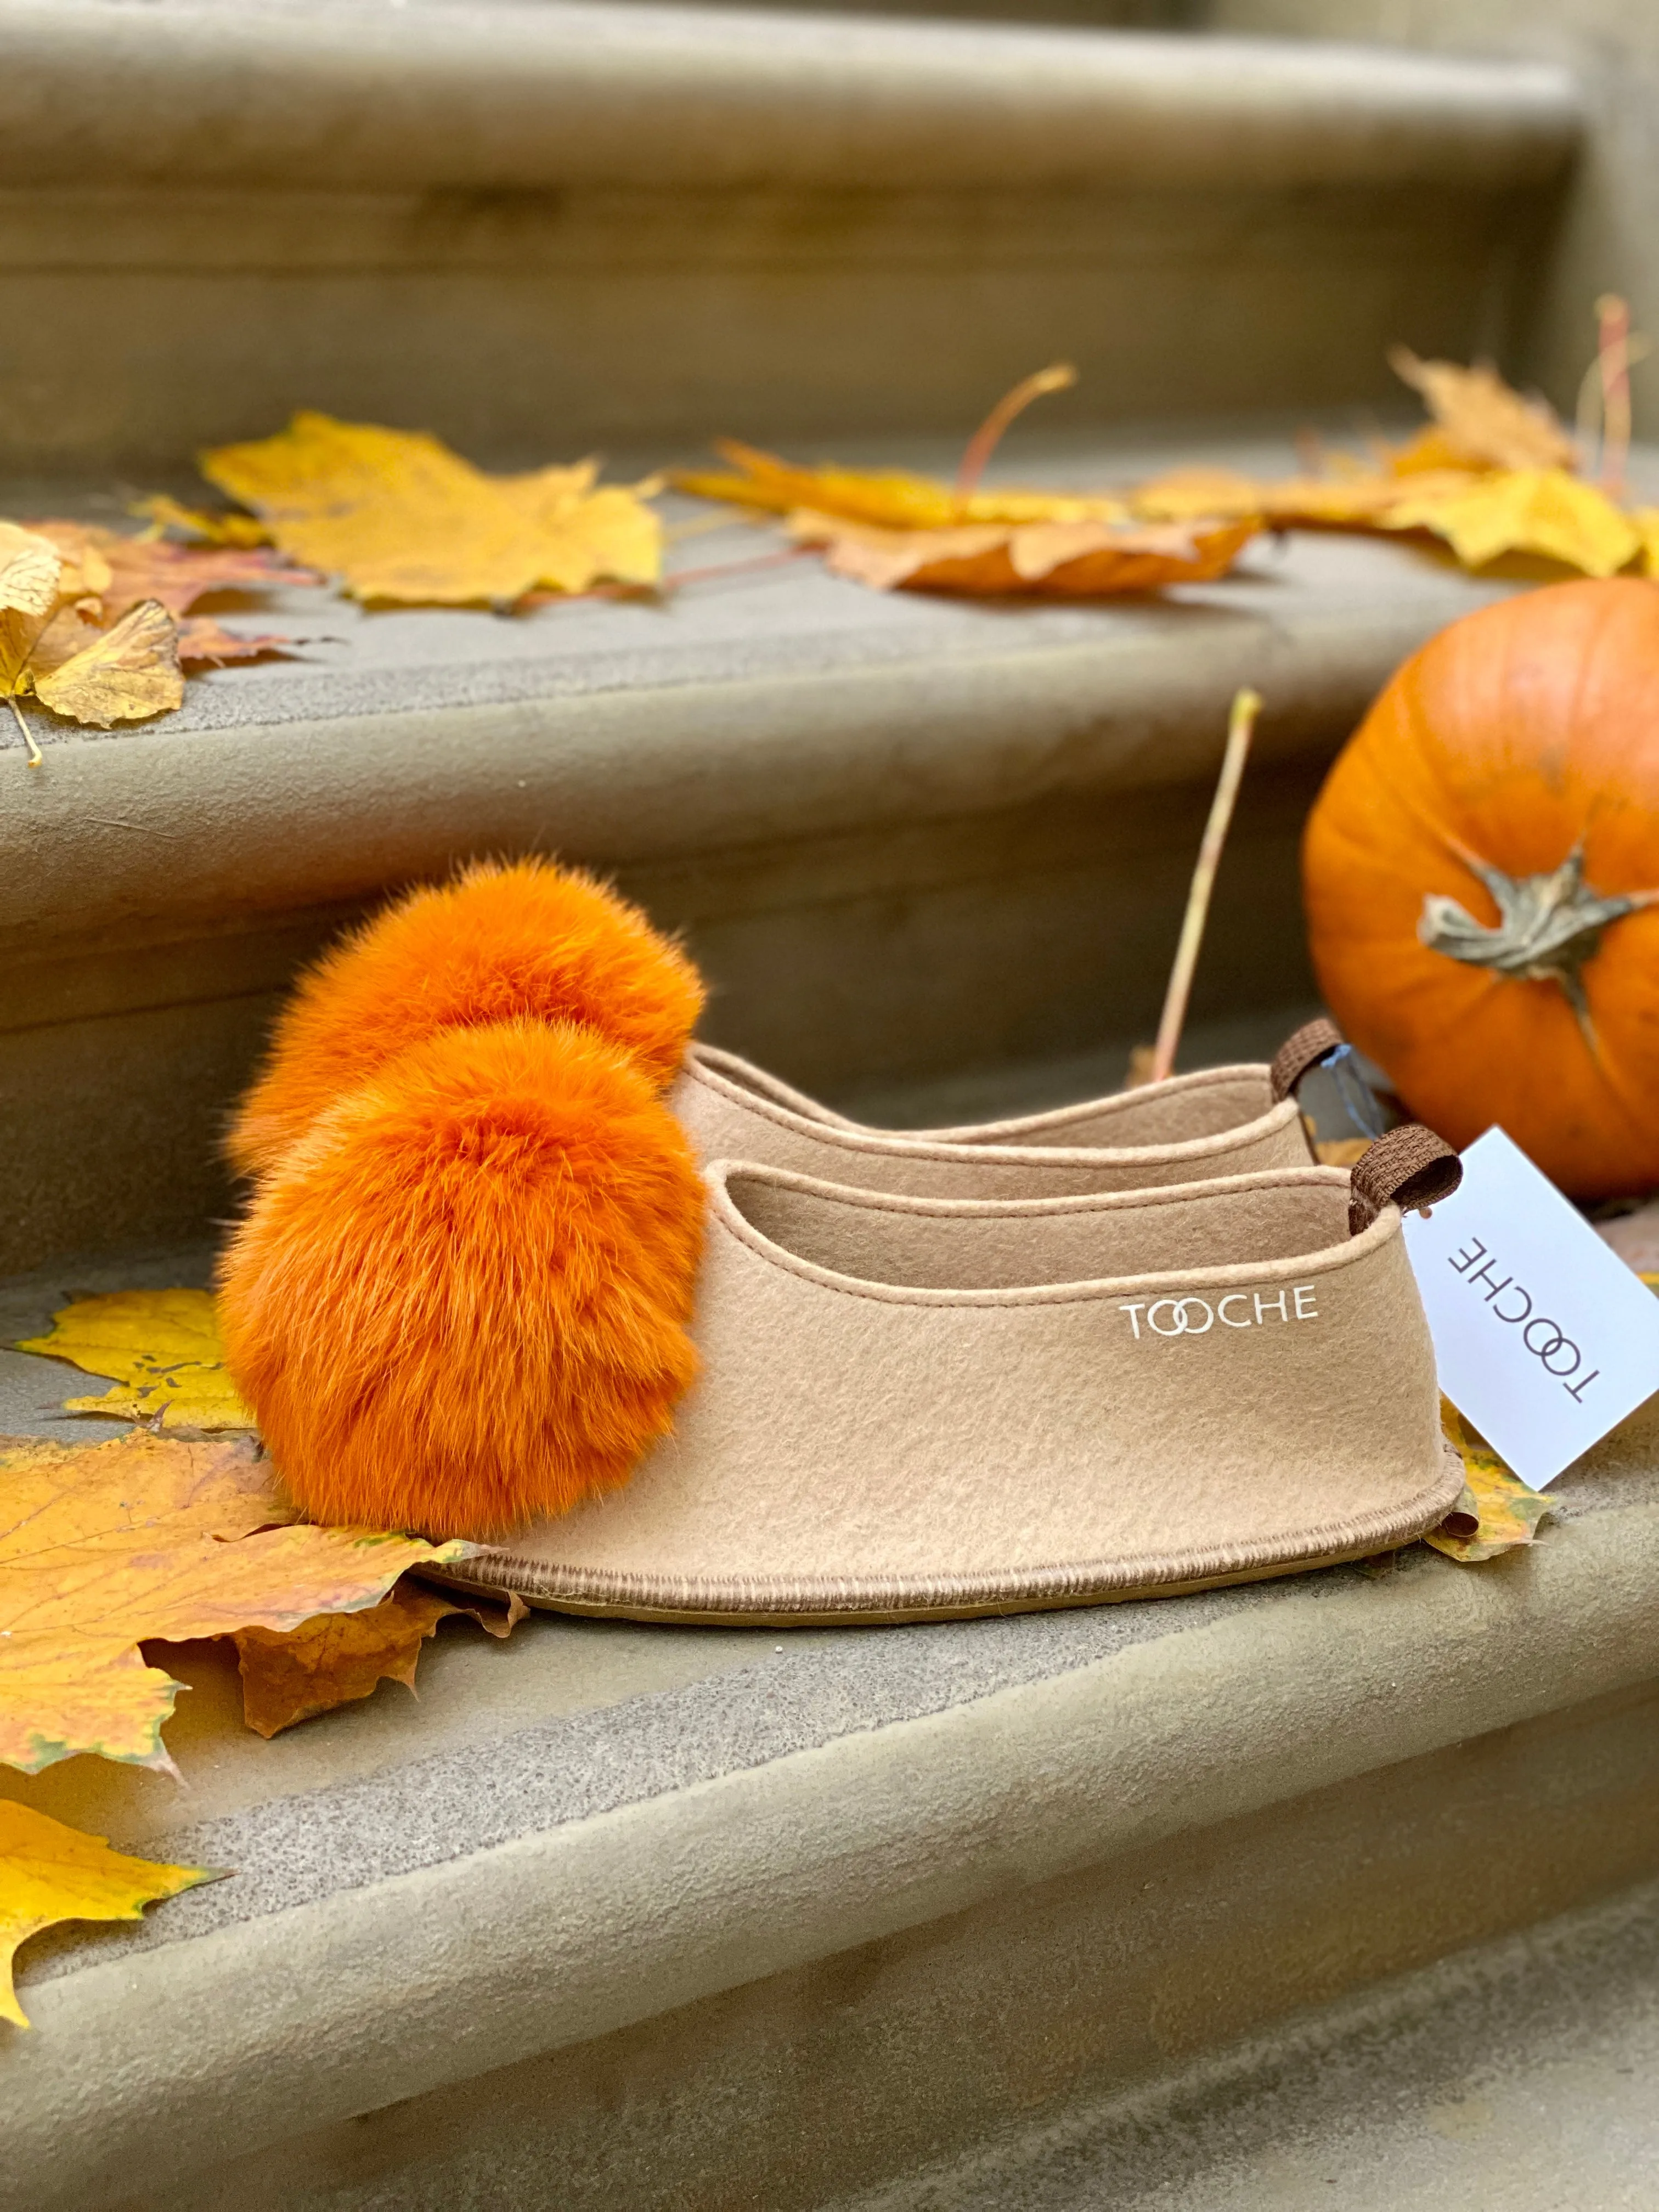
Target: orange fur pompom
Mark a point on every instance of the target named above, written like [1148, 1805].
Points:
[460, 1301]
[500, 941]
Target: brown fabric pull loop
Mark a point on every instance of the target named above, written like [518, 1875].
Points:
[1408, 1167]
[1303, 1049]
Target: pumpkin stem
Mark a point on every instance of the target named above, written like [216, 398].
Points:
[1548, 927]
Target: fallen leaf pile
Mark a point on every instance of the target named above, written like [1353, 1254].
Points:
[395, 515]
[156, 1538]
[53, 1873]
[95, 624]
[891, 531]
[150, 1537]
[1493, 474]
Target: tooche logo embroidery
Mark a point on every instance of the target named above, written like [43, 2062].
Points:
[1195, 1316]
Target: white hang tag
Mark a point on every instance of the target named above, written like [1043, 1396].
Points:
[1542, 1336]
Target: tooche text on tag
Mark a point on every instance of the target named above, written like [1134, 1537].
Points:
[1554, 1350]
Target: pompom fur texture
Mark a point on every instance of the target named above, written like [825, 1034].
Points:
[458, 1299]
[502, 941]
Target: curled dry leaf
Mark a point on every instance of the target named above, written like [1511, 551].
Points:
[89, 618]
[212, 525]
[1060, 560]
[51, 1873]
[892, 499]
[339, 1657]
[395, 515]
[1496, 1512]
[1347, 500]
[160, 1347]
[1490, 477]
[98, 676]
[135, 568]
[163, 1349]
[1481, 420]
[104, 1546]
[30, 565]
[204, 643]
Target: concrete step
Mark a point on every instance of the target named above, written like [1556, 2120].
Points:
[910, 838]
[741, 1920]
[1517, 2076]
[533, 229]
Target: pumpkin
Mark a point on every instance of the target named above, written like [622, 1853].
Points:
[1479, 870]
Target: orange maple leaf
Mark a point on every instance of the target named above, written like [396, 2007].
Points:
[104, 1546]
[1058, 560]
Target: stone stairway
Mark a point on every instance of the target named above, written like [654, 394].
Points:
[533, 227]
[1066, 1912]
[687, 1919]
[541, 226]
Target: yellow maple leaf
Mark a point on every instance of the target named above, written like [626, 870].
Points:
[1353, 499]
[892, 499]
[1061, 560]
[396, 515]
[222, 526]
[1481, 419]
[1537, 511]
[340, 1656]
[152, 1537]
[49, 1873]
[1644, 521]
[1496, 1512]
[161, 1348]
[64, 1694]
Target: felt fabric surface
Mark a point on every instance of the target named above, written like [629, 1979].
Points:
[1224, 1121]
[1122, 1393]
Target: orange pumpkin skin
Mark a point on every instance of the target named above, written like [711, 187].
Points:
[1520, 731]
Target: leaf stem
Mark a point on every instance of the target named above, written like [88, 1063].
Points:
[985, 441]
[1241, 726]
[35, 754]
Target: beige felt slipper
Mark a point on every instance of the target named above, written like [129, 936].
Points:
[1226, 1121]
[915, 1409]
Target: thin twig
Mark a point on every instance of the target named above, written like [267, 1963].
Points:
[673, 579]
[35, 754]
[985, 441]
[1613, 315]
[1247, 705]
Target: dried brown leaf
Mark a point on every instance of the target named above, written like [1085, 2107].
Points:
[120, 676]
[1483, 420]
[339, 1657]
[203, 642]
[105, 1545]
[1061, 560]
[176, 576]
[30, 565]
